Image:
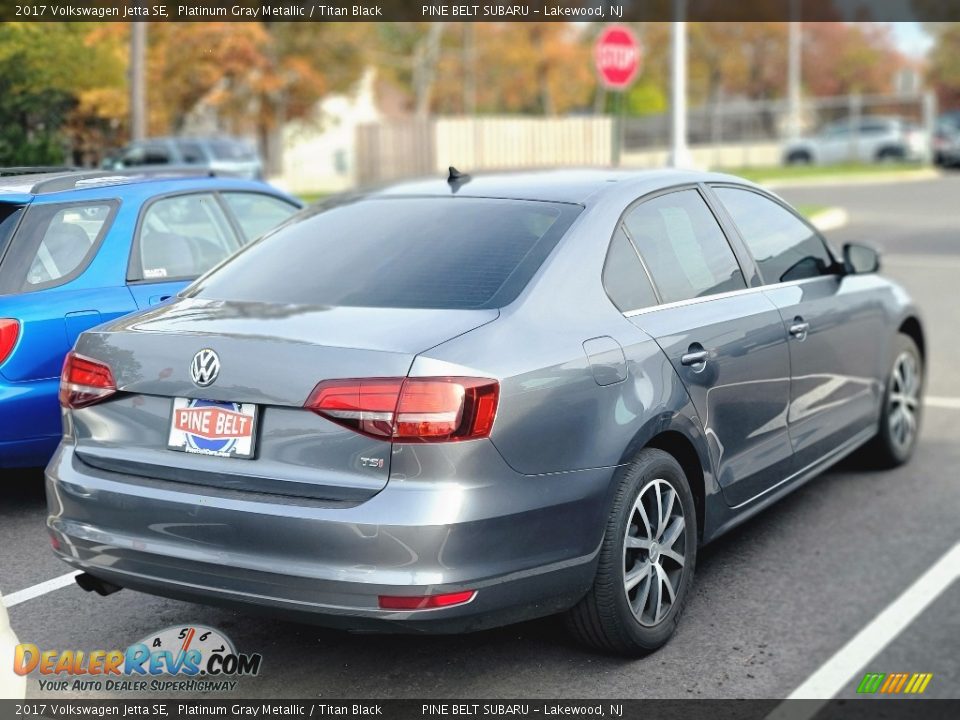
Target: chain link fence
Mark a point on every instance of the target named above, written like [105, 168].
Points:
[744, 133]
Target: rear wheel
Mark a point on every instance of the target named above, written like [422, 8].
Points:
[646, 561]
[799, 157]
[890, 155]
[900, 416]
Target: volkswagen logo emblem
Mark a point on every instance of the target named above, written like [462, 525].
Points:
[205, 367]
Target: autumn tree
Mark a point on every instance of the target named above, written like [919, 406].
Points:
[944, 63]
[253, 77]
[45, 69]
[844, 58]
[538, 68]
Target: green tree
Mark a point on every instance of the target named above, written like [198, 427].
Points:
[44, 68]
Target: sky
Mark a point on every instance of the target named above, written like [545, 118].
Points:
[911, 38]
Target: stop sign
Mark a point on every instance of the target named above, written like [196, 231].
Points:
[617, 56]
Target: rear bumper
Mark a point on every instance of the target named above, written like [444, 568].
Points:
[527, 544]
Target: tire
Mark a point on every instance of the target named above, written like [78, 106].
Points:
[799, 157]
[902, 398]
[889, 155]
[605, 619]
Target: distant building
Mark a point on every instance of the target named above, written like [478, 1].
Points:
[318, 153]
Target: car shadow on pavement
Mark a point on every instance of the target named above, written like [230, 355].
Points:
[21, 489]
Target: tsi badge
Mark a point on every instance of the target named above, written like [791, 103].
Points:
[189, 659]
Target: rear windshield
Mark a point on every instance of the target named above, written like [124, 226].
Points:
[454, 253]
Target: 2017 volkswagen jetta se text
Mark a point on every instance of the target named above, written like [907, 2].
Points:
[449, 405]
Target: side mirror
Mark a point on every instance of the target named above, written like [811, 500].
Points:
[860, 259]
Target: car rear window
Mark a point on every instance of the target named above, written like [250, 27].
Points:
[454, 253]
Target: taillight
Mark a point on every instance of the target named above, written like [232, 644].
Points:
[436, 409]
[425, 602]
[84, 382]
[9, 332]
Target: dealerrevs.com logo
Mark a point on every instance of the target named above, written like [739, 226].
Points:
[190, 658]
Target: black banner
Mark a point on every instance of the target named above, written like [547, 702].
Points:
[476, 11]
[878, 708]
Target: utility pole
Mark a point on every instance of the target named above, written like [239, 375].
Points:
[138, 89]
[679, 152]
[793, 70]
[469, 70]
[426, 57]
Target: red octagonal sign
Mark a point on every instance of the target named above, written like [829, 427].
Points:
[617, 56]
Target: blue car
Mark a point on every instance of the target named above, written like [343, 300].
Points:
[78, 249]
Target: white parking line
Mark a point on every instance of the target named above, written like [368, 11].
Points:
[951, 403]
[838, 672]
[35, 591]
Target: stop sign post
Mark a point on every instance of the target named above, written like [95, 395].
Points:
[617, 56]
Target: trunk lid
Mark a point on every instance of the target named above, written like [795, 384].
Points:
[271, 356]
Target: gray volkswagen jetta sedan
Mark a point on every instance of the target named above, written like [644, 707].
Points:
[452, 404]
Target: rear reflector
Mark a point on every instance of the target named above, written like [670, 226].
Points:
[425, 602]
[437, 409]
[84, 382]
[9, 332]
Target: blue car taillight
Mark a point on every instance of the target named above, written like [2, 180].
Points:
[9, 332]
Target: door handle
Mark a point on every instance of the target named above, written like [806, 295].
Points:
[697, 357]
[799, 328]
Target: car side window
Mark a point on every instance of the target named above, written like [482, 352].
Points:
[191, 153]
[256, 213]
[182, 237]
[146, 154]
[785, 247]
[836, 130]
[53, 244]
[875, 127]
[624, 278]
[684, 248]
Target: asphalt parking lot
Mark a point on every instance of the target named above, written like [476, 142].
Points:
[774, 600]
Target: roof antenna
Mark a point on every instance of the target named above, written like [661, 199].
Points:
[456, 177]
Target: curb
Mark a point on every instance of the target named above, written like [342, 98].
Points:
[864, 179]
[830, 219]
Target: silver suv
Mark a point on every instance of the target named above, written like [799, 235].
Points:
[870, 139]
[225, 154]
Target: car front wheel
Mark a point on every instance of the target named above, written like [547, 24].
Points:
[902, 401]
[646, 561]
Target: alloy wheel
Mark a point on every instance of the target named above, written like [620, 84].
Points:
[654, 552]
[904, 401]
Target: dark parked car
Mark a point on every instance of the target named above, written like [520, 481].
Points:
[946, 145]
[444, 406]
[221, 154]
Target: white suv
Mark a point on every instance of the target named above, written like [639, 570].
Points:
[870, 139]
